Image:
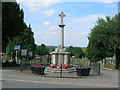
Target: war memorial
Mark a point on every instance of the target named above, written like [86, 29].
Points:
[60, 59]
[60, 55]
[26, 65]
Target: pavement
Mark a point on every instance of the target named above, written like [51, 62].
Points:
[12, 78]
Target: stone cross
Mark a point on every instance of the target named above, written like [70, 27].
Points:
[62, 15]
[60, 56]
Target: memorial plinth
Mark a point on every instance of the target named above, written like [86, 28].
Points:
[60, 55]
[60, 58]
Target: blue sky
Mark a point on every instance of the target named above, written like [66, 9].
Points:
[80, 18]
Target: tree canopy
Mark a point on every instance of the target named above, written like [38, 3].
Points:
[25, 40]
[14, 29]
[104, 38]
[76, 51]
[12, 22]
[42, 50]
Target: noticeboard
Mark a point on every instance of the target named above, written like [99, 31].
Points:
[30, 53]
[16, 47]
[24, 52]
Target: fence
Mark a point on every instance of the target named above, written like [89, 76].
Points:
[58, 72]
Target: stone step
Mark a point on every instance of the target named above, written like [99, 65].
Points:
[55, 70]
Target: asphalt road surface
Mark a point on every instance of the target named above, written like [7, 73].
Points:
[12, 79]
[25, 84]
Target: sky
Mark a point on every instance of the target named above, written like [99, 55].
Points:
[80, 18]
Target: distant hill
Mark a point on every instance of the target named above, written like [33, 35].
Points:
[51, 48]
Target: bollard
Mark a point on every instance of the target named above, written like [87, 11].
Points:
[61, 71]
[21, 66]
[80, 71]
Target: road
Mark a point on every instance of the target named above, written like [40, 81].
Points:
[12, 79]
[25, 84]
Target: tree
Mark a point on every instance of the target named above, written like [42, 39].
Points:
[14, 29]
[12, 22]
[25, 40]
[104, 39]
[51, 48]
[70, 49]
[42, 50]
[76, 51]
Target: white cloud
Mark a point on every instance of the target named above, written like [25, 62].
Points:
[73, 38]
[47, 37]
[47, 23]
[76, 31]
[34, 5]
[89, 18]
[52, 27]
[84, 23]
[109, 1]
[48, 12]
[37, 33]
[106, 1]
[111, 6]
[50, 33]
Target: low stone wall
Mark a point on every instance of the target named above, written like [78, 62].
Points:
[81, 62]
